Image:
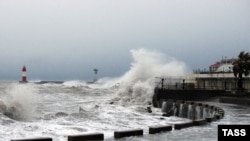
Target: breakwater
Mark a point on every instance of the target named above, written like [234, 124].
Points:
[191, 95]
[191, 110]
[44, 82]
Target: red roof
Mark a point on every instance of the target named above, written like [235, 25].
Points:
[217, 64]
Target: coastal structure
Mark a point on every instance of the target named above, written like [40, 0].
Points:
[95, 75]
[24, 77]
[225, 65]
[218, 83]
[219, 76]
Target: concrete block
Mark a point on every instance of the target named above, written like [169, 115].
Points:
[210, 119]
[199, 104]
[179, 126]
[218, 116]
[86, 137]
[33, 139]
[158, 129]
[127, 133]
[200, 122]
[221, 113]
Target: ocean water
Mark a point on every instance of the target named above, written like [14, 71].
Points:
[74, 107]
[57, 110]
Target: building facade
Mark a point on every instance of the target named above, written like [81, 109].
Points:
[219, 77]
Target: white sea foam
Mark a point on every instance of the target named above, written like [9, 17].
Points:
[138, 83]
[63, 111]
[20, 101]
[74, 83]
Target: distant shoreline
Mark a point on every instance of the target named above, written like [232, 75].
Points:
[53, 81]
[44, 82]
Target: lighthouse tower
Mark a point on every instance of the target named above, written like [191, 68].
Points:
[24, 77]
[95, 76]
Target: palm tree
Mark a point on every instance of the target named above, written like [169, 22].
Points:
[241, 67]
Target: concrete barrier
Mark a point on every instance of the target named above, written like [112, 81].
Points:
[177, 108]
[169, 111]
[179, 126]
[210, 119]
[221, 112]
[192, 112]
[33, 139]
[158, 129]
[86, 137]
[184, 113]
[200, 122]
[218, 116]
[127, 133]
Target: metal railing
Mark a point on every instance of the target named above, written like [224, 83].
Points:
[207, 83]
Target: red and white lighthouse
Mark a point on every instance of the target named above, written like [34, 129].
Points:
[24, 77]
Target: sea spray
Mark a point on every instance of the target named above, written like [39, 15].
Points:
[20, 101]
[73, 84]
[137, 84]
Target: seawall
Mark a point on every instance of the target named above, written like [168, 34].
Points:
[189, 95]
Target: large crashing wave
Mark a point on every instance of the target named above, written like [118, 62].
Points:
[137, 85]
[19, 103]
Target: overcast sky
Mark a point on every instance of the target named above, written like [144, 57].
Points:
[67, 39]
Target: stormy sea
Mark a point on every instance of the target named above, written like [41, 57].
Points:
[56, 110]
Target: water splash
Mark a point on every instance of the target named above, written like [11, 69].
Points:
[20, 102]
[137, 84]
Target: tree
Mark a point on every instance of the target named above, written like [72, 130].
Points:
[241, 67]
